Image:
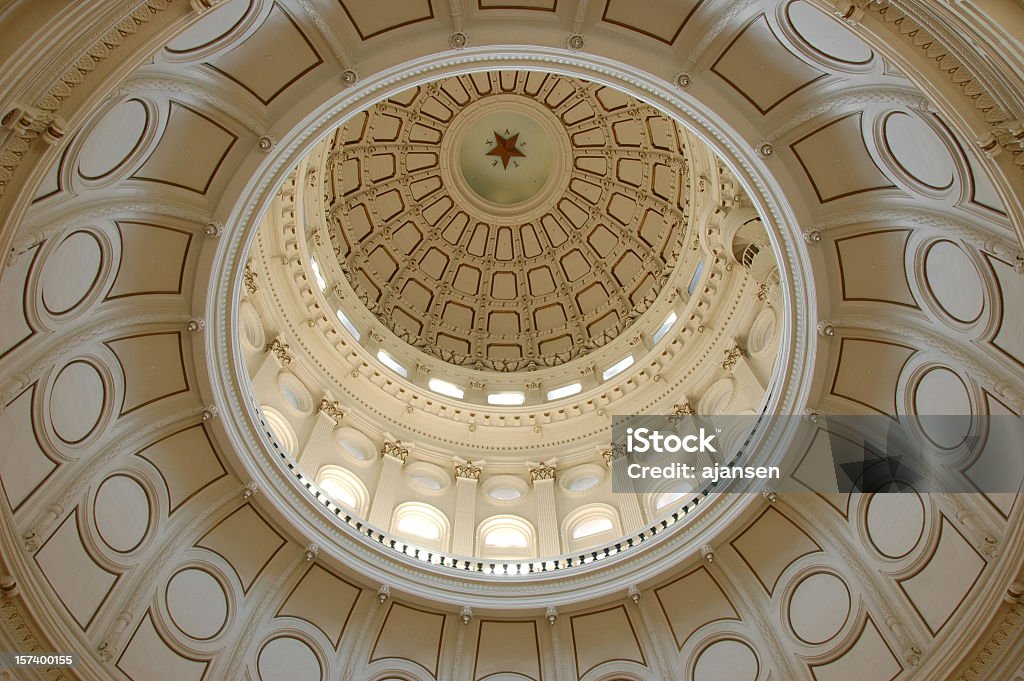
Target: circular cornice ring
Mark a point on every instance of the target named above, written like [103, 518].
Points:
[281, 494]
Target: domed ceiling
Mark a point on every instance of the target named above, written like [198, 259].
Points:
[150, 530]
[508, 220]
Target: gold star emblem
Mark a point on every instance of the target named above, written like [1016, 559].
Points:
[505, 148]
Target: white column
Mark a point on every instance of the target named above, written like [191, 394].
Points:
[547, 518]
[318, 448]
[384, 496]
[628, 501]
[464, 532]
[750, 387]
[264, 380]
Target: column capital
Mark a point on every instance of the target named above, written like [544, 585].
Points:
[280, 349]
[395, 450]
[331, 408]
[733, 355]
[542, 471]
[616, 451]
[467, 471]
[681, 411]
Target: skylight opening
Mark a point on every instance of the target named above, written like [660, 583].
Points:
[506, 399]
[446, 388]
[320, 281]
[564, 391]
[665, 327]
[618, 367]
[390, 363]
[347, 323]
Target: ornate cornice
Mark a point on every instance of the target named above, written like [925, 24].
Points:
[945, 49]
[23, 638]
[993, 652]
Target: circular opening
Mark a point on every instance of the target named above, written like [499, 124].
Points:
[294, 394]
[428, 413]
[505, 493]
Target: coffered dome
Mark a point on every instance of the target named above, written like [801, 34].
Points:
[508, 219]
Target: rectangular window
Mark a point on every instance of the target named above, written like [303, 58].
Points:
[320, 281]
[695, 280]
[618, 367]
[446, 388]
[390, 363]
[347, 323]
[564, 391]
[506, 399]
[665, 327]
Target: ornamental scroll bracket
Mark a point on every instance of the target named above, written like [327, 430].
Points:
[681, 411]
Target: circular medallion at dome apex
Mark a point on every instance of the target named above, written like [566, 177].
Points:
[508, 220]
[510, 154]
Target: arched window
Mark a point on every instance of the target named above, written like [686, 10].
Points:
[344, 488]
[667, 497]
[591, 525]
[422, 524]
[506, 536]
[280, 430]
